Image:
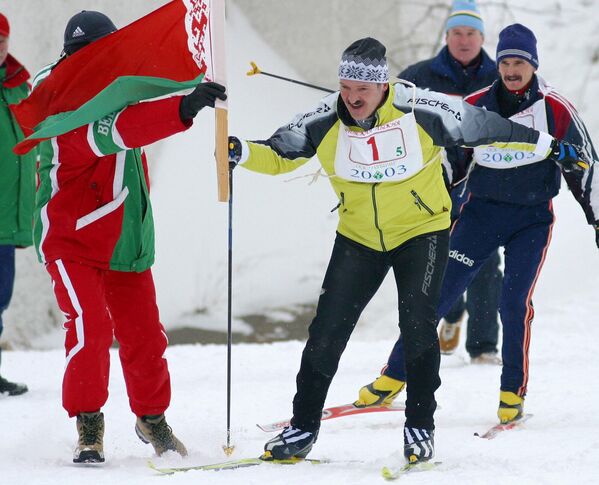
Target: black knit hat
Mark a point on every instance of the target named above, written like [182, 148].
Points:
[365, 60]
[84, 28]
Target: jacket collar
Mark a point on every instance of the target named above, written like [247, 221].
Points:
[16, 74]
[445, 65]
[491, 99]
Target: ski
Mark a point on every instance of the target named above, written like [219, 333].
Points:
[336, 412]
[232, 465]
[395, 473]
[498, 428]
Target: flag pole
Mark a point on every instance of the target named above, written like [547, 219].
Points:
[221, 111]
[221, 153]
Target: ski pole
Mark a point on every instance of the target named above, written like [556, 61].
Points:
[228, 449]
[256, 70]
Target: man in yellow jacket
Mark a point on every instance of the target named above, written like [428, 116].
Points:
[382, 146]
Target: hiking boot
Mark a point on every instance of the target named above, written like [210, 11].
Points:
[90, 448]
[291, 443]
[12, 388]
[449, 336]
[418, 444]
[486, 358]
[155, 431]
[381, 392]
[511, 407]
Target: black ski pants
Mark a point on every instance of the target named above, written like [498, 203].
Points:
[353, 276]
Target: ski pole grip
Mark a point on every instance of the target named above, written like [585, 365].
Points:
[255, 69]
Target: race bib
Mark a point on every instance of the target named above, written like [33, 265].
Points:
[390, 152]
[501, 158]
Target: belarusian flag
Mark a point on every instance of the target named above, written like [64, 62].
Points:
[165, 52]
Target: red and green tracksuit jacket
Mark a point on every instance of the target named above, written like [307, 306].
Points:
[17, 173]
[93, 203]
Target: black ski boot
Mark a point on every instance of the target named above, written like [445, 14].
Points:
[419, 444]
[12, 388]
[291, 443]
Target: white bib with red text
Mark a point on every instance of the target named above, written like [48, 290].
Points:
[386, 153]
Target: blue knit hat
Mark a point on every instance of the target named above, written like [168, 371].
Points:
[518, 41]
[465, 13]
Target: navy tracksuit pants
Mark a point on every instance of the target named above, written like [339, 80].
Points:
[482, 298]
[481, 304]
[483, 226]
[7, 278]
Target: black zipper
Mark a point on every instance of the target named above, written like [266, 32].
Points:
[420, 203]
[341, 202]
[376, 216]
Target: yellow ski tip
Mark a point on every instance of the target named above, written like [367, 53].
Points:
[255, 69]
[388, 474]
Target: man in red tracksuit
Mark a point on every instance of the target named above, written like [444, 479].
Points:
[93, 229]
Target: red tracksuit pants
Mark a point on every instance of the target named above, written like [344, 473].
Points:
[100, 305]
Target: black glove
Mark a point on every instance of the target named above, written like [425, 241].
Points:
[203, 95]
[597, 233]
[234, 151]
[569, 157]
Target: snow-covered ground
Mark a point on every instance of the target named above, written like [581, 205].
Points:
[283, 235]
[559, 445]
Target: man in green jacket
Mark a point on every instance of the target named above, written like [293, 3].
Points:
[17, 182]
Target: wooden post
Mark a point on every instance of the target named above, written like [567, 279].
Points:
[221, 151]
[222, 154]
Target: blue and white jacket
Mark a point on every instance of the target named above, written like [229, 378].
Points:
[540, 181]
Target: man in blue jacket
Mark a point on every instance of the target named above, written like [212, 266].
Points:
[510, 205]
[459, 69]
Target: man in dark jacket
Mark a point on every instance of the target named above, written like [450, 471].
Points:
[462, 66]
[511, 205]
[459, 69]
[17, 182]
